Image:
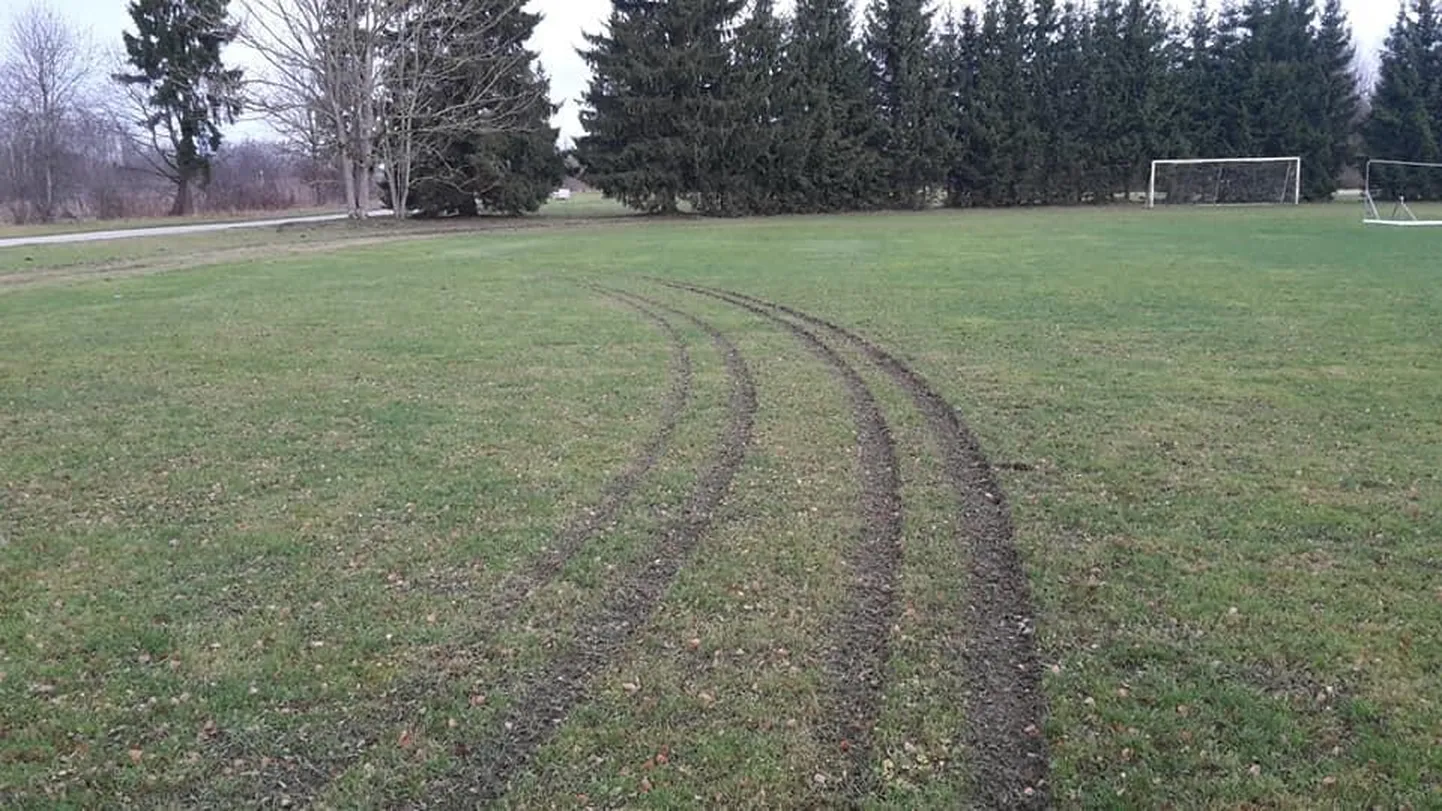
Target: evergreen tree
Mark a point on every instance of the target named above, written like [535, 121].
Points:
[1008, 88]
[1282, 86]
[1340, 102]
[1231, 106]
[1057, 76]
[959, 55]
[1066, 149]
[830, 162]
[1147, 113]
[466, 160]
[748, 170]
[1019, 102]
[1403, 122]
[756, 84]
[1111, 141]
[653, 111]
[1200, 83]
[1279, 79]
[907, 93]
[188, 92]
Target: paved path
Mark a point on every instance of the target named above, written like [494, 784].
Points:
[169, 230]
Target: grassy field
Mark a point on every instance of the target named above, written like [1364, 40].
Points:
[388, 517]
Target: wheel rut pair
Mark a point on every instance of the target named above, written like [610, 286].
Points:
[993, 642]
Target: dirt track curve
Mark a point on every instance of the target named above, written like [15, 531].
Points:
[1004, 705]
[545, 698]
[860, 644]
[580, 529]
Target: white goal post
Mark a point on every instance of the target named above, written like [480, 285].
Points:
[1390, 185]
[1225, 181]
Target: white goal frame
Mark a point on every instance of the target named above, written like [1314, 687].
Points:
[1295, 192]
[1402, 215]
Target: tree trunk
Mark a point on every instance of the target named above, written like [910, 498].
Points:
[183, 205]
[362, 164]
[49, 192]
[362, 190]
[400, 186]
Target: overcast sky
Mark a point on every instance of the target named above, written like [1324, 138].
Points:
[559, 34]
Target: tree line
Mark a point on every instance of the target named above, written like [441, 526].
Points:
[731, 109]
[723, 107]
[443, 99]
[439, 104]
[71, 147]
[1406, 118]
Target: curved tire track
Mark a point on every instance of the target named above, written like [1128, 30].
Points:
[580, 529]
[861, 643]
[1005, 707]
[544, 699]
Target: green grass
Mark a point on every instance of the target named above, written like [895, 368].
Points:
[249, 509]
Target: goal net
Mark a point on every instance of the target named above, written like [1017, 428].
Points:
[1403, 193]
[1225, 181]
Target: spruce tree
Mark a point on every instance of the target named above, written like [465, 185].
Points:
[1148, 118]
[831, 162]
[959, 53]
[1200, 81]
[1340, 101]
[465, 161]
[1233, 87]
[1284, 86]
[652, 110]
[749, 173]
[1110, 99]
[1402, 123]
[907, 93]
[188, 91]
[1010, 90]
[1066, 148]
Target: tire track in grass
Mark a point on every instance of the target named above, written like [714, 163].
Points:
[581, 529]
[861, 643]
[578, 531]
[542, 701]
[1005, 707]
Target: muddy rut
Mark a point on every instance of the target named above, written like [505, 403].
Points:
[1004, 705]
[860, 645]
[545, 698]
[582, 528]
[579, 530]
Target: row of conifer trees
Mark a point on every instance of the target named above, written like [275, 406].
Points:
[731, 108]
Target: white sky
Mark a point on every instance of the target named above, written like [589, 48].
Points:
[559, 34]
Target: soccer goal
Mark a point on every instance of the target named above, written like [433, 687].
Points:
[1405, 193]
[1225, 182]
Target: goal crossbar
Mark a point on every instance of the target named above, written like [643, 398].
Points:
[1402, 215]
[1289, 192]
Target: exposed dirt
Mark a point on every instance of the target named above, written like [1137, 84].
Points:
[301, 778]
[580, 529]
[861, 641]
[544, 699]
[1005, 707]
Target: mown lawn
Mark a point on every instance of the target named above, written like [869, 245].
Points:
[257, 510]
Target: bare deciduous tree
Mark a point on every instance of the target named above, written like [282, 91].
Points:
[319, 81]
[46, 78]
[447, 69]
[381, 82]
